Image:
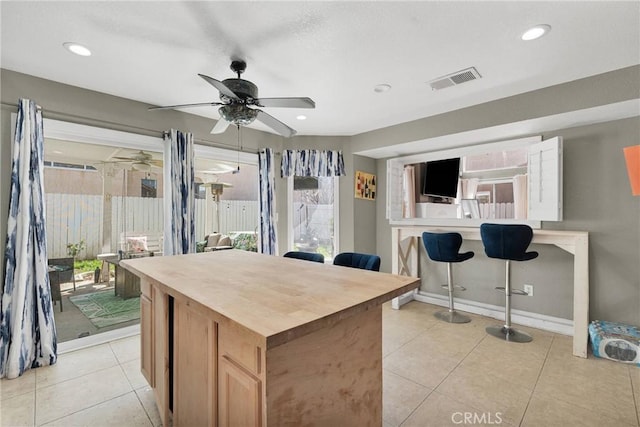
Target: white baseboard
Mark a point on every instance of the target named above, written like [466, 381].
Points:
[104, 337]
[525, 318]
[398, 302]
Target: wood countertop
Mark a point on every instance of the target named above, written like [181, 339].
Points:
[279, 299]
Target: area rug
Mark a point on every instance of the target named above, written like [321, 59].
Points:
[104, 309]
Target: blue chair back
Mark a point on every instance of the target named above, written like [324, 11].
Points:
[358, 260]
[444, 247]
[307, 256]
[507, 241]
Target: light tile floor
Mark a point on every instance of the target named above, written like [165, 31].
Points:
[435, 374]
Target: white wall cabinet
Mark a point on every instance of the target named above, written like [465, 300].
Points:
[544, 182]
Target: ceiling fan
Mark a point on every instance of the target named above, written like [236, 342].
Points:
[140, 161]
[237, 96]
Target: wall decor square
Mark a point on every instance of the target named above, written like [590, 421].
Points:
[365, 186]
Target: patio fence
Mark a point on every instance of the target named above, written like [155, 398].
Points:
[74, 217]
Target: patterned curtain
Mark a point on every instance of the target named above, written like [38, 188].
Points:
[27, 328]
[268, 238]
[312, 163]
[179, 190]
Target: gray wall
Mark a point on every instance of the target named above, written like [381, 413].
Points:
[597, 199]
[364, 212]
[603, 89]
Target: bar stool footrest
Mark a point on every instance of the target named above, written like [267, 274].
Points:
[445, 286]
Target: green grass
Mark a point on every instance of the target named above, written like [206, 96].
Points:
[81, 266]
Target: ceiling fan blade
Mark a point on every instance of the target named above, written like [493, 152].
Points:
[171, 107]
[221, 126]
[157, 163]
[275, 124]
[286, 102]
[224, 90]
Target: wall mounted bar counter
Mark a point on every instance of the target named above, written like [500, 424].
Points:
[239, 338]
[405, 249]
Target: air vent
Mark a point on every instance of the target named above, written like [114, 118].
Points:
[456, 78]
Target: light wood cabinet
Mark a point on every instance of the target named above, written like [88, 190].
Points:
[146, 340]
[260, 342]
[194, 366]
[240, 395]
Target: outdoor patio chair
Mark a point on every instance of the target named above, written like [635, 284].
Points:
[64, 267]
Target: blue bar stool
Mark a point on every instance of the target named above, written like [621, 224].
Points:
[444, 247]
[307, 256]
[508, 242]
[358, 260]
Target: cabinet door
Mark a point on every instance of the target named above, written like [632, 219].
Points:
[240, 395]
[146, 340]
[160, 334]
[545, 180]
[194, 363]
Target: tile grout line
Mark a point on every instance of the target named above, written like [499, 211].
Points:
[136, 394]
[416, 336]
[636, 399]
[98, 403]
[144, 408]
[67, 380]
[546, 356]
[562, 399]
[443, 380]
[83, 409]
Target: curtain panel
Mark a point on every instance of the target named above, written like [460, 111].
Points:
[312, 163]
[268, 234]
[27, 328]
[408, 192]
[179, 194]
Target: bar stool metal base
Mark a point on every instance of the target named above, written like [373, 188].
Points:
[508, 334]
[452, 317]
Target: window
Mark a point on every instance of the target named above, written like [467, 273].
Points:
[226, 192]
[148, 188]
[313, 215]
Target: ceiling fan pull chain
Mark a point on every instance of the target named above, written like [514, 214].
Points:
[239, 147]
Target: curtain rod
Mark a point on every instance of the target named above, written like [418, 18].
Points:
[56, 115]
[15, 106]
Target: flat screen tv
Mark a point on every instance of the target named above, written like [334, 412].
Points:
[441, 178]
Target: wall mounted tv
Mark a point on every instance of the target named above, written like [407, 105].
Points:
[440, 178]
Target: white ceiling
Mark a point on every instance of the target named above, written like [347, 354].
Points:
[332, 52]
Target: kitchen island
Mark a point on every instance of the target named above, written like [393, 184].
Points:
[239, 338]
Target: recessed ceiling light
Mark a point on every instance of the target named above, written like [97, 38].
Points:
[301, 117]
[382, 88]
[536, 32]
[76, 48]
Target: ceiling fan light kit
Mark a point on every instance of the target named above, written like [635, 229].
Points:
[237, 96]
[238, 114]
